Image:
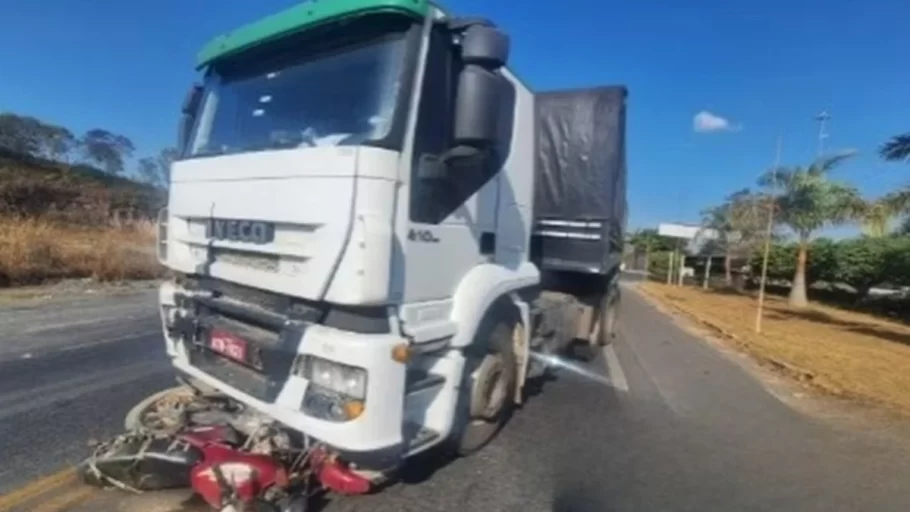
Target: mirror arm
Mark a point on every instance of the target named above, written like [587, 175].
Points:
[463, 152]
[461, 24]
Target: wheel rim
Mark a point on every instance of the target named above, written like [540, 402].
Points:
[165, 413]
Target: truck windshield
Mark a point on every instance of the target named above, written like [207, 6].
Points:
[344, 96]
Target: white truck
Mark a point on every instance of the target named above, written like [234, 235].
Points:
[374, 225]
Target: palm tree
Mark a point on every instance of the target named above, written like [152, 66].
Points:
[807, 200]
[876, 216]
[751, 212]
[897, 149]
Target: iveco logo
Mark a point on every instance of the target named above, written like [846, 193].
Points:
[249, 231]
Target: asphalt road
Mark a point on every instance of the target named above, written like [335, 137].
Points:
[679, 427]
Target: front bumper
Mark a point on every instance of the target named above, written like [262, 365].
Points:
[372, 441]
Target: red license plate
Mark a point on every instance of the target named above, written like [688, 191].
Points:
[228, 345]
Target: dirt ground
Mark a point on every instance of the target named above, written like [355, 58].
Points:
[850, 355]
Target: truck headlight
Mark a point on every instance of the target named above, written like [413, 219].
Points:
[346, 380]
[336, 392]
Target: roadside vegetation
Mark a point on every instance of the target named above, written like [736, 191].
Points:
[70, 207]
[837, 312]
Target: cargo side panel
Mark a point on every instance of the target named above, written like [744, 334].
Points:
[580, 188]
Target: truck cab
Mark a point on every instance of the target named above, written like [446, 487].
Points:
[351, 229]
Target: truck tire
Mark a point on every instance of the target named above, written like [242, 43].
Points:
[609, 318]
[487, 399]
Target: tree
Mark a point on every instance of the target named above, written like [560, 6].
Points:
[157, 170]
[897, 149]
[739, 225]
[107, 149]
[897, 262]
[876, 216]
[651, 242]
[25, 136]
[59, 144]
[807, 200]
[20, 135]
[719, 221]
[147, 169]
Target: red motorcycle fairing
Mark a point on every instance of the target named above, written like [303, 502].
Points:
[228, 475]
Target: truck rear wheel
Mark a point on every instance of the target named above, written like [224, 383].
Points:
[608, 323]
[489, 388]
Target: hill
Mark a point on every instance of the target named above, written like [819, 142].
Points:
[68, 211]
[31, 187]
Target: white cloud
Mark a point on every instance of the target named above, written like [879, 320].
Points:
[706, 122]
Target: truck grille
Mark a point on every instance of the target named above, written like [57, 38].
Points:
[262, 262]
[272, 325]
[271, 343]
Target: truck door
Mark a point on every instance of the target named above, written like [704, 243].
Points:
[451, 222]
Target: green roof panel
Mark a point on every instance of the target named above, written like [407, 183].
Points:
[298, 18]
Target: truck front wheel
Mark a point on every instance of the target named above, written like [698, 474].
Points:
[489, 391]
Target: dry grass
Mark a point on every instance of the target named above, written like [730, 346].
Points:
[848, 354]
[34, 251]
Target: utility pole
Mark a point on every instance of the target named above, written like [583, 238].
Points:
[704, 283]
[682, 266]
[823, 117]
[770, 229]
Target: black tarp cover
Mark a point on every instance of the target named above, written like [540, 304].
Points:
[581, 156]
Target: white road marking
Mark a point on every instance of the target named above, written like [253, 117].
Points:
[617, 376]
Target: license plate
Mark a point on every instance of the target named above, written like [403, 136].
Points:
[228, 345]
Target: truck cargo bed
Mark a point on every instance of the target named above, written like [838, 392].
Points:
[580, 186]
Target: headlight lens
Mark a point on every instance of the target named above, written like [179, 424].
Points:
[341, 378]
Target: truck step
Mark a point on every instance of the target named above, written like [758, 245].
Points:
[418, 380]
[418, 436]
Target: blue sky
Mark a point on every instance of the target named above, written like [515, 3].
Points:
[767, 69]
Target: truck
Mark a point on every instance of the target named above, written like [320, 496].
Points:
[378, 234]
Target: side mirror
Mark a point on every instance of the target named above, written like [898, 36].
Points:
[188, 114]
[484, 49]
[485, 46]
[477, 107]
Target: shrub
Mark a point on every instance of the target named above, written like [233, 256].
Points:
[38, 250]
[782, 261]
[861, 263]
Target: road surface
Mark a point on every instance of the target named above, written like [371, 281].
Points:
[679, 427]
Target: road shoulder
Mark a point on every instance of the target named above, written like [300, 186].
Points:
[70, 315]
[784, 383]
